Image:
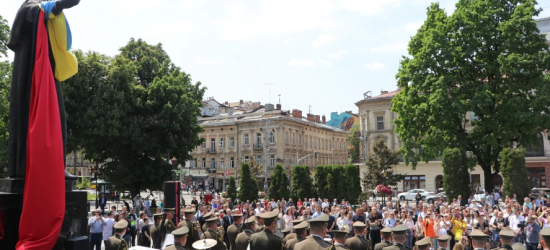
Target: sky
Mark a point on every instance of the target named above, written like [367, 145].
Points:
[319, 53]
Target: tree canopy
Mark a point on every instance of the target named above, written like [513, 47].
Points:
[278, 186]
[249, 188]
[482, 66]
[232, 189]
[456, 178]
[132, 110]
[381, 161]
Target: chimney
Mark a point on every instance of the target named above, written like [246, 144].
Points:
[310, 117]
[268, 107]
[318, 119]
[278, 106]
[296, 113]
[226, 103]
[383, 92]
[241, 103]
[324, 120]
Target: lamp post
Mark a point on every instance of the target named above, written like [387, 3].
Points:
[96, 171]
[384, 192]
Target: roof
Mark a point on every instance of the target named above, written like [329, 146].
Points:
[384, 96]
[221, 104]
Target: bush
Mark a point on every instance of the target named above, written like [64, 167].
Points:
[456, 178]
[353, 184]
[302, 183]
[514, 172]
[83, 184]
[249, 189]
[231, 189]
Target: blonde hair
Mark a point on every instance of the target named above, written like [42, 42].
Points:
[458, 246]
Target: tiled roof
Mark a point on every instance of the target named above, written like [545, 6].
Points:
[385, 96]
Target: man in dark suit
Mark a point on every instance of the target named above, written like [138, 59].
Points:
[227, 221]
[102, 203]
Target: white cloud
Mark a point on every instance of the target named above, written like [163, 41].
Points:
[375, 66]
[207, 61]
[301, 62]
[338, 54]
[392, 48]
[289, 40]
[324, 39]
[324, 62]
[414, 26]
[369, 7]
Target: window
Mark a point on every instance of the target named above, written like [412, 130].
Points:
[380, 123]
[272, 138]
[364, 126]
[232, 142]
[204, 144]
[246, 139]
[246, 158]
[222, 161]
[305, 140]
[203, 163]
[536, 149]
[212, 162]
[438, 183]
[414, 182]
[222, 142]
[231, 162]
[299, 140]
[272, 161]
[475, 181]
[259, 159]
[194, 163]
[286, 137]
[259, 138]
[292, 138]
[537, 177]
[212, 143]
[497, 181]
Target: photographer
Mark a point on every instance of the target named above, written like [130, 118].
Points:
[532, 231]
[516, 223]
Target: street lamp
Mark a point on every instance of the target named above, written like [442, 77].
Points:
[96, 171]
[384, 192]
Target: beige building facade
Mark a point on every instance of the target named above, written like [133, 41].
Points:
[284, 136]
[376, 124]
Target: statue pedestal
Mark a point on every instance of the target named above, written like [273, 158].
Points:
[74, 227]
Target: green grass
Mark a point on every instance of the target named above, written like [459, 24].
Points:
[91, 197]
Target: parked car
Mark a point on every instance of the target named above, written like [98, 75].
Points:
[411, 194]
[479, 196]
[536, 192]
[435, 197]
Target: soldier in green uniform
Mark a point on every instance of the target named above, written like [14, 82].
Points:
[266, 239]
[478, 239]
[116, 242]
[212, 233]
[518, 246]
[180, 239]
[423, 244]
[301, 232]
[206, 217]
[386, 236]
[506, 238]
[156, 226]
[545, 238]
[169, 225]
[286, 232]
[259, 224]
[234, 230]
[443, 240]
[358, 242]
[242, 239]
[193, 229]
[340, 239]
[293, 234]
[399, 237]
[316, 239]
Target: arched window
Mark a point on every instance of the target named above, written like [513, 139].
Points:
[497, 181]
[438, 183]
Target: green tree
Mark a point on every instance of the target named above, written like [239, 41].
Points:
[514, 173]
[133, 109]
[5, 85]
[257, 171]
[302, 183]
[321, 181]
[330, 187]
[340, 181]
[232, 189]
[353, 183]
[278, 187]
[456, 178]
[284, 190]
[381, 161]
[354, 141]
[488, 58]
[249, 189]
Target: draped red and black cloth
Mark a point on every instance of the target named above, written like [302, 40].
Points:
[44, 193]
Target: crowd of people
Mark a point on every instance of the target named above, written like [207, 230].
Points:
[376, 220]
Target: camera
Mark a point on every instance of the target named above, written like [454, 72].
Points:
[522, 225]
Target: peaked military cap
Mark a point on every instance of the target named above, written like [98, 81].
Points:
[518, 246]
[250, 220]
[401, 229]
[212, 219]
[477, 234]
[444, 238]
[359, 224]
[208, 215]
[189, 211]
[321, 219]
[167, 210]
[506, 234]
[180, 231]
[302, 225]
[269, 215]
[423, 242]
[286, 230]
[121, 224]
[386, 230]
[297, 221]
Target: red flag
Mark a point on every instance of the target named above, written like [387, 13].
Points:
[44, 193]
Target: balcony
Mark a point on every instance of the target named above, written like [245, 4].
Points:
[211, 170]
[258, 146]
[211, 150]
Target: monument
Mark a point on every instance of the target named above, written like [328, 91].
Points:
[38, 207]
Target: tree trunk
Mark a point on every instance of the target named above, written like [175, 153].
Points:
[134, 190]
[489, 186]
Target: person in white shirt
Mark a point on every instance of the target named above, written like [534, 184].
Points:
[513, 220]
[140, 224]
[474, 204]
[108, 226]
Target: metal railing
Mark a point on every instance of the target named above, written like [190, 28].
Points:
[211, 150]
[258, 146]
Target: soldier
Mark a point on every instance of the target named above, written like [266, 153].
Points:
[212, 233]
[399, 237]
[286, 232]
[259, 224]
[234, 230]
[443, 240]
[116, 242]
[301, 232]
[242, 239]
[386, 236]
[189, 214]
[478, 239]
[316, 240]
[340, 239]
[155, 228]
[180, 239]
[206, 217]
[293, 234]
[423, 244]
[266, 239]
[518, 246]
[169, 225]
[506, 238]
[358, 242]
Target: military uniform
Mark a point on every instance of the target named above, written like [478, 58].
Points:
[169, 225]
[401, 229]
[506, 235]
[382, 244]
[241, 242]
[266, 240]
[193, 234]
[423, 244]
[315, 242]
[259, 228]
[212, 234]
[116, 242]
[292, 235]
[478, 235]
[176, 246]
[178, 233]
[232, 232]
[358, 242]
[299, 229]
[290, 244]
[206, 217]
[443, 239]
[338, 235]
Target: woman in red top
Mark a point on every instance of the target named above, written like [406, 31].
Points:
[429, 225]
[300, 203]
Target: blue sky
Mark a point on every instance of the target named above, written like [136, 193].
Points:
[316, 52]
